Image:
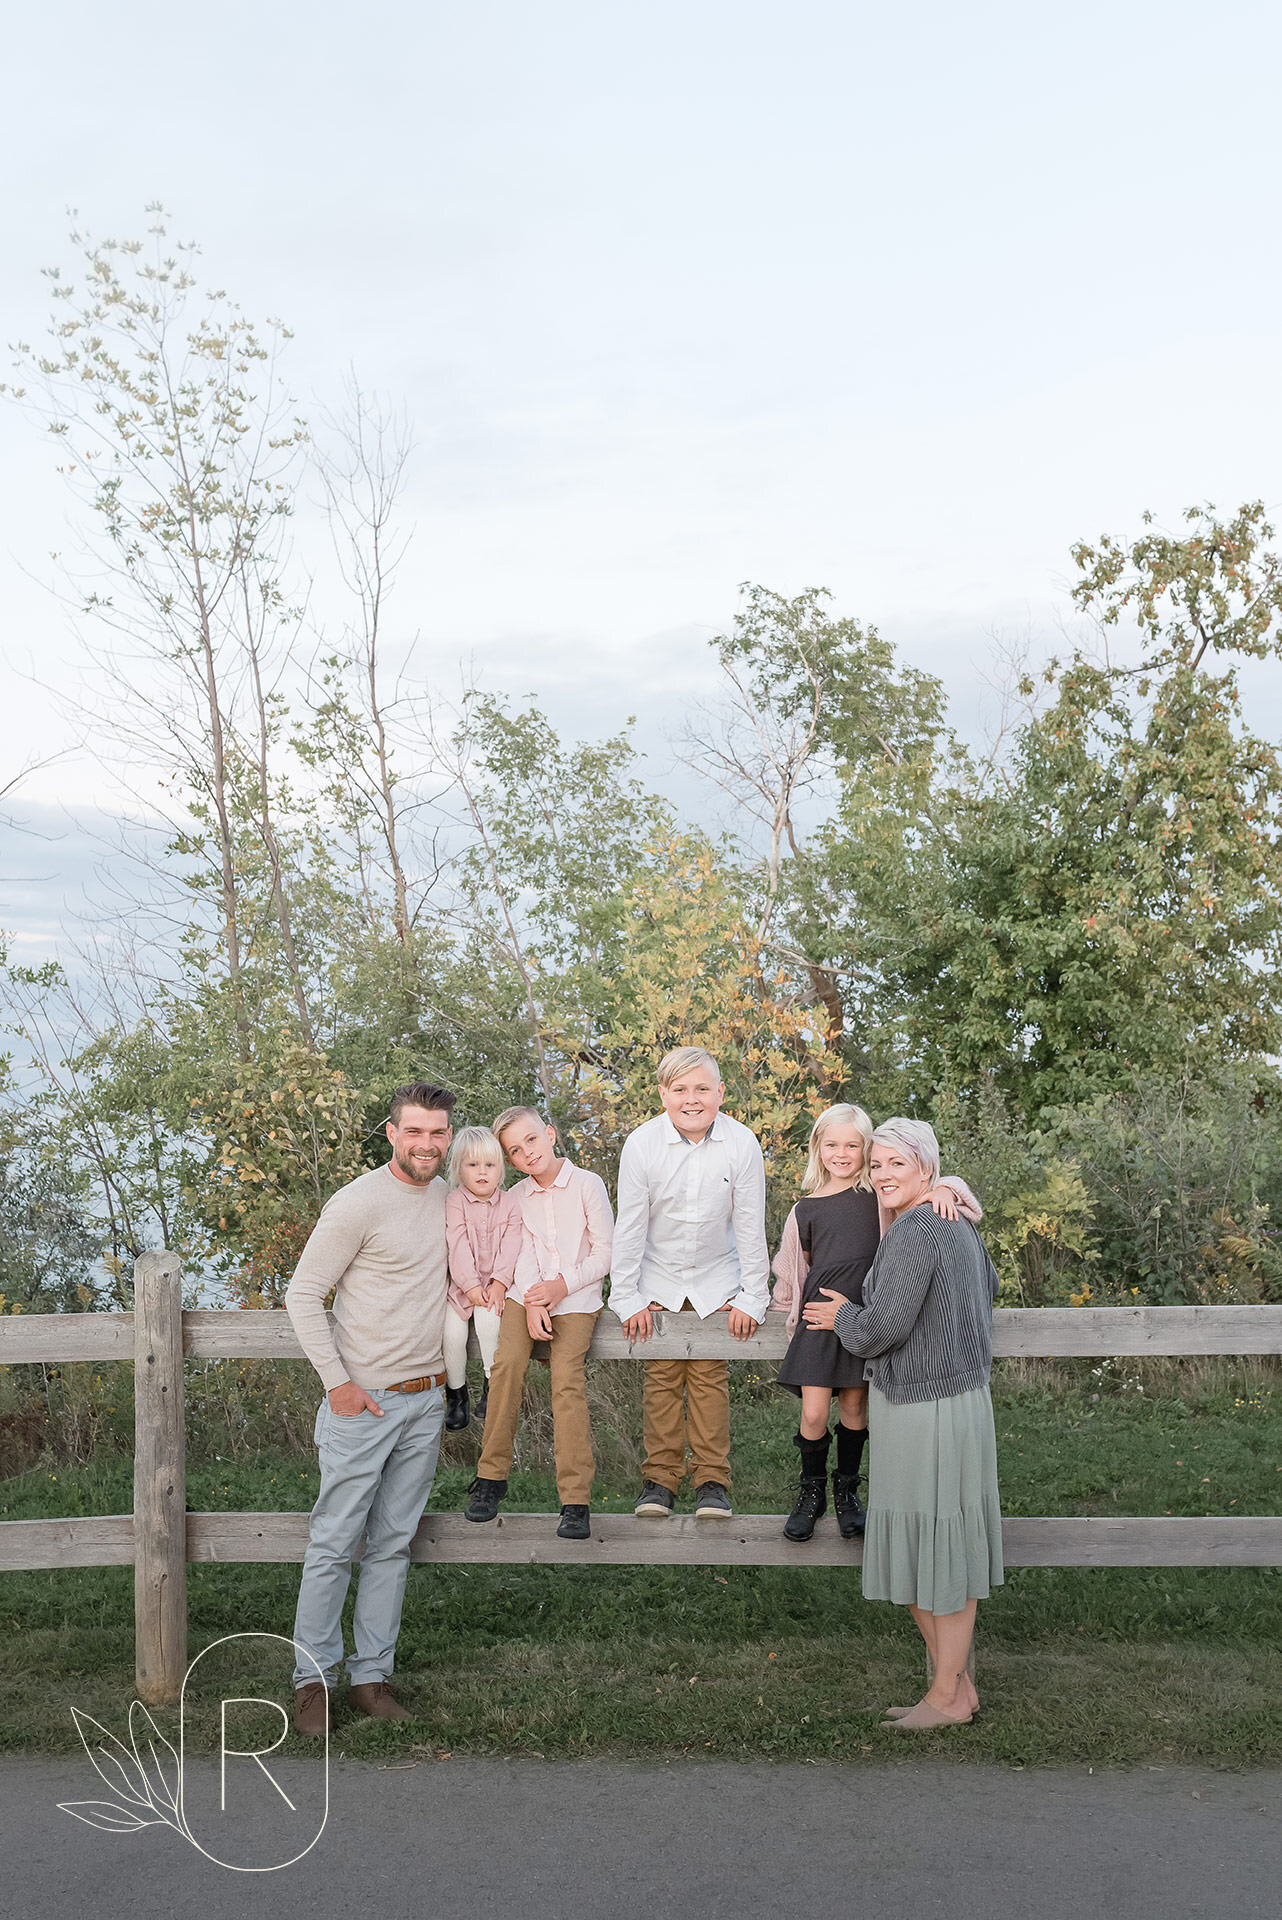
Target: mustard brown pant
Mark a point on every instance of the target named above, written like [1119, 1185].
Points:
[571, 1429]
[702, 1425]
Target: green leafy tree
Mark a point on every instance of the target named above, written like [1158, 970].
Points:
[49, 1250]
[173, 431]
[814, 711]
[1112, 905]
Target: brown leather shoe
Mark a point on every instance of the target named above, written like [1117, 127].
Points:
[375, 1699]
[311, 1709]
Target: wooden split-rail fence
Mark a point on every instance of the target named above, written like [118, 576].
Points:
[160, 1536]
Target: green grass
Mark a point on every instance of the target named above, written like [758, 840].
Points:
[1102, 1666]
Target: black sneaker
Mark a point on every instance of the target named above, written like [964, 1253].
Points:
[812, 1501]
[576, 1524]
[484, 1501]
[712, 1502]
[851, 1518]
[457, 1413]
[656, 1503]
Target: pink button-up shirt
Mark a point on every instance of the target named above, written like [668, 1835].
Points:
[484, 1241]
[568, 1230]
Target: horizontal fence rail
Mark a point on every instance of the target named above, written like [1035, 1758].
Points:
[159, 1539]
[1029, 1333]
[750, 1540]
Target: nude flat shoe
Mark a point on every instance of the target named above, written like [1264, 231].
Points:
[897, 1713]
[922, 1717]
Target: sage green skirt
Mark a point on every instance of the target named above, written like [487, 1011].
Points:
[934, 1536]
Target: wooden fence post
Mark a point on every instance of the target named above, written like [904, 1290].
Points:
[160, 1480]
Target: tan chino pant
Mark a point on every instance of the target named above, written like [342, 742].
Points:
[571, 1428]
[702, 1425]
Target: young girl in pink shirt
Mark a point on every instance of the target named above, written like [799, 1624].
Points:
[483, 1235]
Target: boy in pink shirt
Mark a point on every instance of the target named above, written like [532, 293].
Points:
[483, 1234]
[556, 1296]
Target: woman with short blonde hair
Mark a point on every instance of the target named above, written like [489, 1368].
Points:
[828, 1243]
[925, 1335]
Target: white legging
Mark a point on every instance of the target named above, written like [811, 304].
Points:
[487, 1326]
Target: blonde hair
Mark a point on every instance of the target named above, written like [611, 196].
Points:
[510, 1116]
[473, 1143]
[843, 1114]
[914, 1138]
[682, 1060]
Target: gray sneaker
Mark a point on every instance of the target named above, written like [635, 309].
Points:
[656, 1503]
[712, 1502]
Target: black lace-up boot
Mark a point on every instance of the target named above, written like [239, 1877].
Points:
[812, 1494]
[845, 1481]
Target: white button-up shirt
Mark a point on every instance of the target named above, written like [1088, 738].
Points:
[691, 1221]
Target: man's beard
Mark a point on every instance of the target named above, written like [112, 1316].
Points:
[420, 1171]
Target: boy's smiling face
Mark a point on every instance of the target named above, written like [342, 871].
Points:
[531, 1148]
[693, 1100]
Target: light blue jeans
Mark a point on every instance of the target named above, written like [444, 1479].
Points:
[376, 1476]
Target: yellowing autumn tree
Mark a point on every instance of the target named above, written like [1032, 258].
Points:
[692, 973]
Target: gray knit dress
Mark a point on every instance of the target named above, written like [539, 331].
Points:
[934, 1536]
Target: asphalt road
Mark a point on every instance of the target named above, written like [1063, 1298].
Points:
[529, 1840]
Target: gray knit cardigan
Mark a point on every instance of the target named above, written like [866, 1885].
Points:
[926, 1328]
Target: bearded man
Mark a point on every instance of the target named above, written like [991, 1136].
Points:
[379, 1246]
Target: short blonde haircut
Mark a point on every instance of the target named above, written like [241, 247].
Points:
[682, 1060]
[510, 1116]
[914, 1138]
[474, 1143]
[842, 1115]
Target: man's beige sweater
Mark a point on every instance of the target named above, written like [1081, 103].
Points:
[381, 1242]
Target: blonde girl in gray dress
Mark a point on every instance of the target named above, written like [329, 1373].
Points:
[934, 1532]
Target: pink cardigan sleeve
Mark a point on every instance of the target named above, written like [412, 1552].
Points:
[790, 1269]
[967, 1204]
[461, 1258]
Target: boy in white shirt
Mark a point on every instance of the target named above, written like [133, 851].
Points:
[690, 1232]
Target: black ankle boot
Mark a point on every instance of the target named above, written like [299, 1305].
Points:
[851, 1442]
[812, 1503]
[846, 1505]
[457, 1414]
[812, 1494]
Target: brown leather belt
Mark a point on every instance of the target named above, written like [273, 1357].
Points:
[421, 1385]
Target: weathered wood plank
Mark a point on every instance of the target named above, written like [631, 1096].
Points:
[243, 1537]
[755, 1540]
[1017, 1331]
[1029, 1332]
[98, 1540]
[1113, 1540]
[160, 1483]
[619, 1540]
[1054, 1332]
[27, 1337]
[241, 1334]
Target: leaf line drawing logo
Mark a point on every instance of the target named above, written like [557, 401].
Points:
[150, 1780]
[151, 1787]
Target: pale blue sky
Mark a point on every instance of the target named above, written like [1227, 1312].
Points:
[897, 300]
